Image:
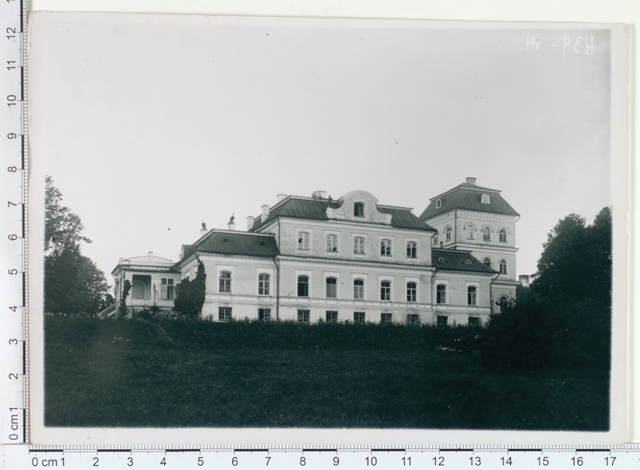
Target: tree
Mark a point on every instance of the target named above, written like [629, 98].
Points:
[564, 319]
[190, 294]
[72, 282]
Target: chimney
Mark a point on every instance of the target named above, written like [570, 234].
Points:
[524, 280]
[281, 197]
[265, 212]
[203, 230]
[231, 225]
[150, 254]
[249, 222]
[471, 180]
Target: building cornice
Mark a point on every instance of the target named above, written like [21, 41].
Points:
[359, 263]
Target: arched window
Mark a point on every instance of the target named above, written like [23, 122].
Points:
[487, 262]
[412, 291]
[412, 250]
[503, 266]
[358, 289]
[303, 240]
[447, 233]
[332, 288]
[332, 242]
[502, 233]
[358, 209]
[225, 282]
[503, 302]
[486, 234]
[472, 295]
[303, 286]
[485, 199]
[264, 281]
[470, 231]
[358, 245]
[441, 294]
[385, 290]
[385, 247]
[438, 204]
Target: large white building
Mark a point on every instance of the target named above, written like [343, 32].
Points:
[311, 259]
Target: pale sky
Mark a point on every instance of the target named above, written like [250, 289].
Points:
[150, 125]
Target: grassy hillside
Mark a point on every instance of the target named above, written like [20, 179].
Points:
[187, 373]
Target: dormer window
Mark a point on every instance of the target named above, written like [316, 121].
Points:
[438, 204]
[485, 199]
[358, 209]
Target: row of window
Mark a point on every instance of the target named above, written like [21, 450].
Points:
[502, 265]
[141, 290]
[304, 243]
[331, 316]
[470, 231]
[331, 288]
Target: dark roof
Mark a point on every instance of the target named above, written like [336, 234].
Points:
[458, 260]
[468, 196]
[234, 243]
[316, 209]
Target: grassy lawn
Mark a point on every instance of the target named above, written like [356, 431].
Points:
[133, 373]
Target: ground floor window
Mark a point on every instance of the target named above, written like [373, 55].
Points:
[264, 314]
[413, 319]
[224, 313]
[358, 317]
[303, 316]
[332, 317]
[442, 320]
[386, 318]
[475, 321]
[166, 288]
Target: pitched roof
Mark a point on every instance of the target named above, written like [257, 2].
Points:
[297, 207]
[227, 242]
[458, 260]
[468, 196]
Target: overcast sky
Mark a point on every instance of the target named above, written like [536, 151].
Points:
[151, 125]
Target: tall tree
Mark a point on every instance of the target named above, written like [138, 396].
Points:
[72, 282]
[190, 295]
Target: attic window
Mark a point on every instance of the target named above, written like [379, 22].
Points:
[438, 204]
[485, 199]
[358, 209]
[441, 260]
[225, 240]
[467, 261]
[261, 243]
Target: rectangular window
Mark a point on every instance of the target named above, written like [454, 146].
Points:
[332, 243]
[475, 321]
[264, 282]
[332, 317]
[385, 247]
[166, 288]
[224, 313]
[472, 295]
[385, 290]
[264, 314]
[358, 317]
[412, 291]
[358, 245]
[303, 286]
[303, 316]
[304, 241]
[225, 282]
[442, 320]
[413, 319]
[332, 288]
[441, 294]
[358, 289]
[386, 318]
[412, 249]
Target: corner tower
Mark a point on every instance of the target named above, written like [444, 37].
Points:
[478, 219]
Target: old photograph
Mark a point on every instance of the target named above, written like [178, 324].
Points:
[270, 223]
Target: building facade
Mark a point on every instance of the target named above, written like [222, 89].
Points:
[311, 259]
